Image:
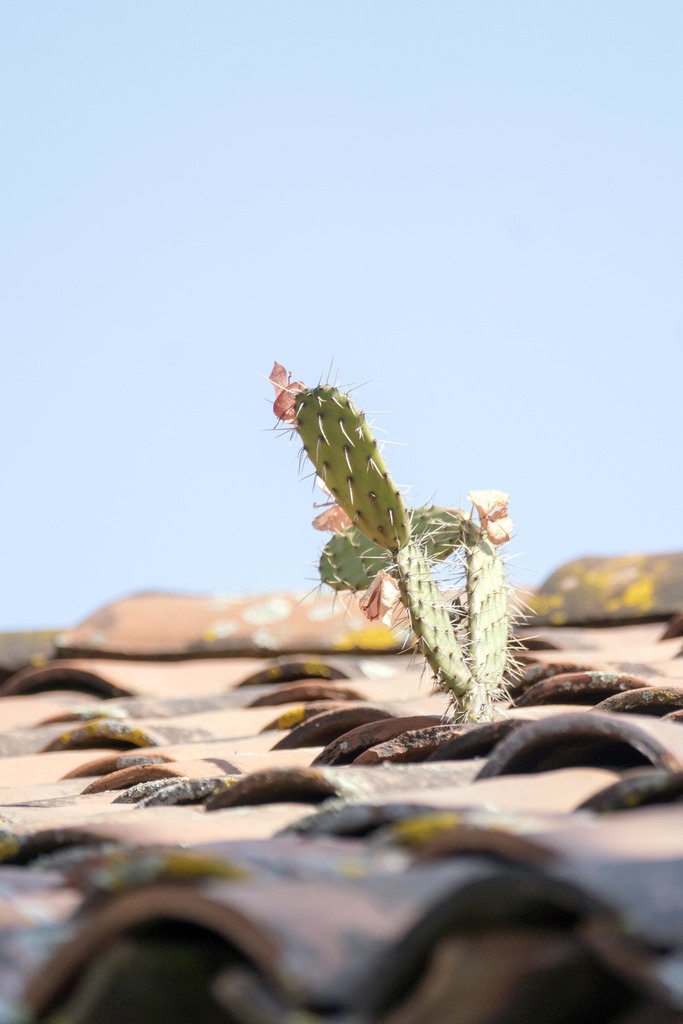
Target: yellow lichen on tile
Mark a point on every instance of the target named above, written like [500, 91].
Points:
[9, 845]
[287, 720]
[543, 604]
[125, 869]
[318, 669]
[640, 594]
[425, 827]
[585, 588]
[373, 638]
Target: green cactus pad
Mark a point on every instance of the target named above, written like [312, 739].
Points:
[349, 561]
[346, 456]
[440, 531]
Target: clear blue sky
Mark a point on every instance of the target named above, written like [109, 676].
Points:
[472, 210]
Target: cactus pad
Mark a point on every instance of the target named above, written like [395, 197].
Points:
[440, 531]
[349, 561]
[346, 456]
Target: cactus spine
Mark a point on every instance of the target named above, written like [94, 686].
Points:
[339, 443]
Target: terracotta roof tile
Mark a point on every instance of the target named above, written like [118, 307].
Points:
[264, 800]
[617, 589]
[175, 625]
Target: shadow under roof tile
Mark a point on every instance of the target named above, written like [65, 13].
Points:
[412, 746]
[304, 692]
[590, 739]
[321, 729]
[639, 787]
[345, 748]
[588, 687]
[112, 677]
[475, 740]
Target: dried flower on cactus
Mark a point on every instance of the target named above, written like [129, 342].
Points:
[492, 507]
[333, 520]
[286, 391]
[380, 599]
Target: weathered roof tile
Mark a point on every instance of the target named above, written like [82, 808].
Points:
[296, 828]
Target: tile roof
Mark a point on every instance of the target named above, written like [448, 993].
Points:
[255, 809]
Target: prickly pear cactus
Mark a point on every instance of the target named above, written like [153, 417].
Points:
[381, 536]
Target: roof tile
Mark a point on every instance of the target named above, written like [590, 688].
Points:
[296, 828]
